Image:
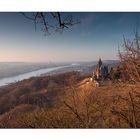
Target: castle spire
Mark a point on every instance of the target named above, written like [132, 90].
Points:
[100, 62]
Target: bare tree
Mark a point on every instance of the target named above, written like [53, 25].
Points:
[131, 112]
[130, 58]
[51, 21]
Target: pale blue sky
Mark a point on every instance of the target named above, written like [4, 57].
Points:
[98, 35]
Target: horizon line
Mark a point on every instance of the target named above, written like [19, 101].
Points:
[56, 61]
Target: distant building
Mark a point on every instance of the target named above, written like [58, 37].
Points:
[100, 62]
[101, 71]
[98, 69]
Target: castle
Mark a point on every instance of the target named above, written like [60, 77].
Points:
[101, 71]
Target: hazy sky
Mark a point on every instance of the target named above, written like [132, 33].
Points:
[98, 35]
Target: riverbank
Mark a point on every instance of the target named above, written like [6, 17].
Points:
[20, 77]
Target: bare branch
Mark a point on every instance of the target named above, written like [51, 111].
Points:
[57, 23]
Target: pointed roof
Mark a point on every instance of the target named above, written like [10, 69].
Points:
[100, 62]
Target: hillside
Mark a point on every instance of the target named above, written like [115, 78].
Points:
[69, 100]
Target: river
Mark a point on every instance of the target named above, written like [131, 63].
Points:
[13, 79]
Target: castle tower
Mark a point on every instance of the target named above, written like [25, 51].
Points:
[98, 68]
[100, 63]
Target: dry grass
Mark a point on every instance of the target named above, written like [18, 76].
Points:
[80, 106]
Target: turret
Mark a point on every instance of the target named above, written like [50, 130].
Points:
[100, 63]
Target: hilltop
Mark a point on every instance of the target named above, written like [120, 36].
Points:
[69, 100]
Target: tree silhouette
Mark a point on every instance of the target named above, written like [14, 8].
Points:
[51, 21]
